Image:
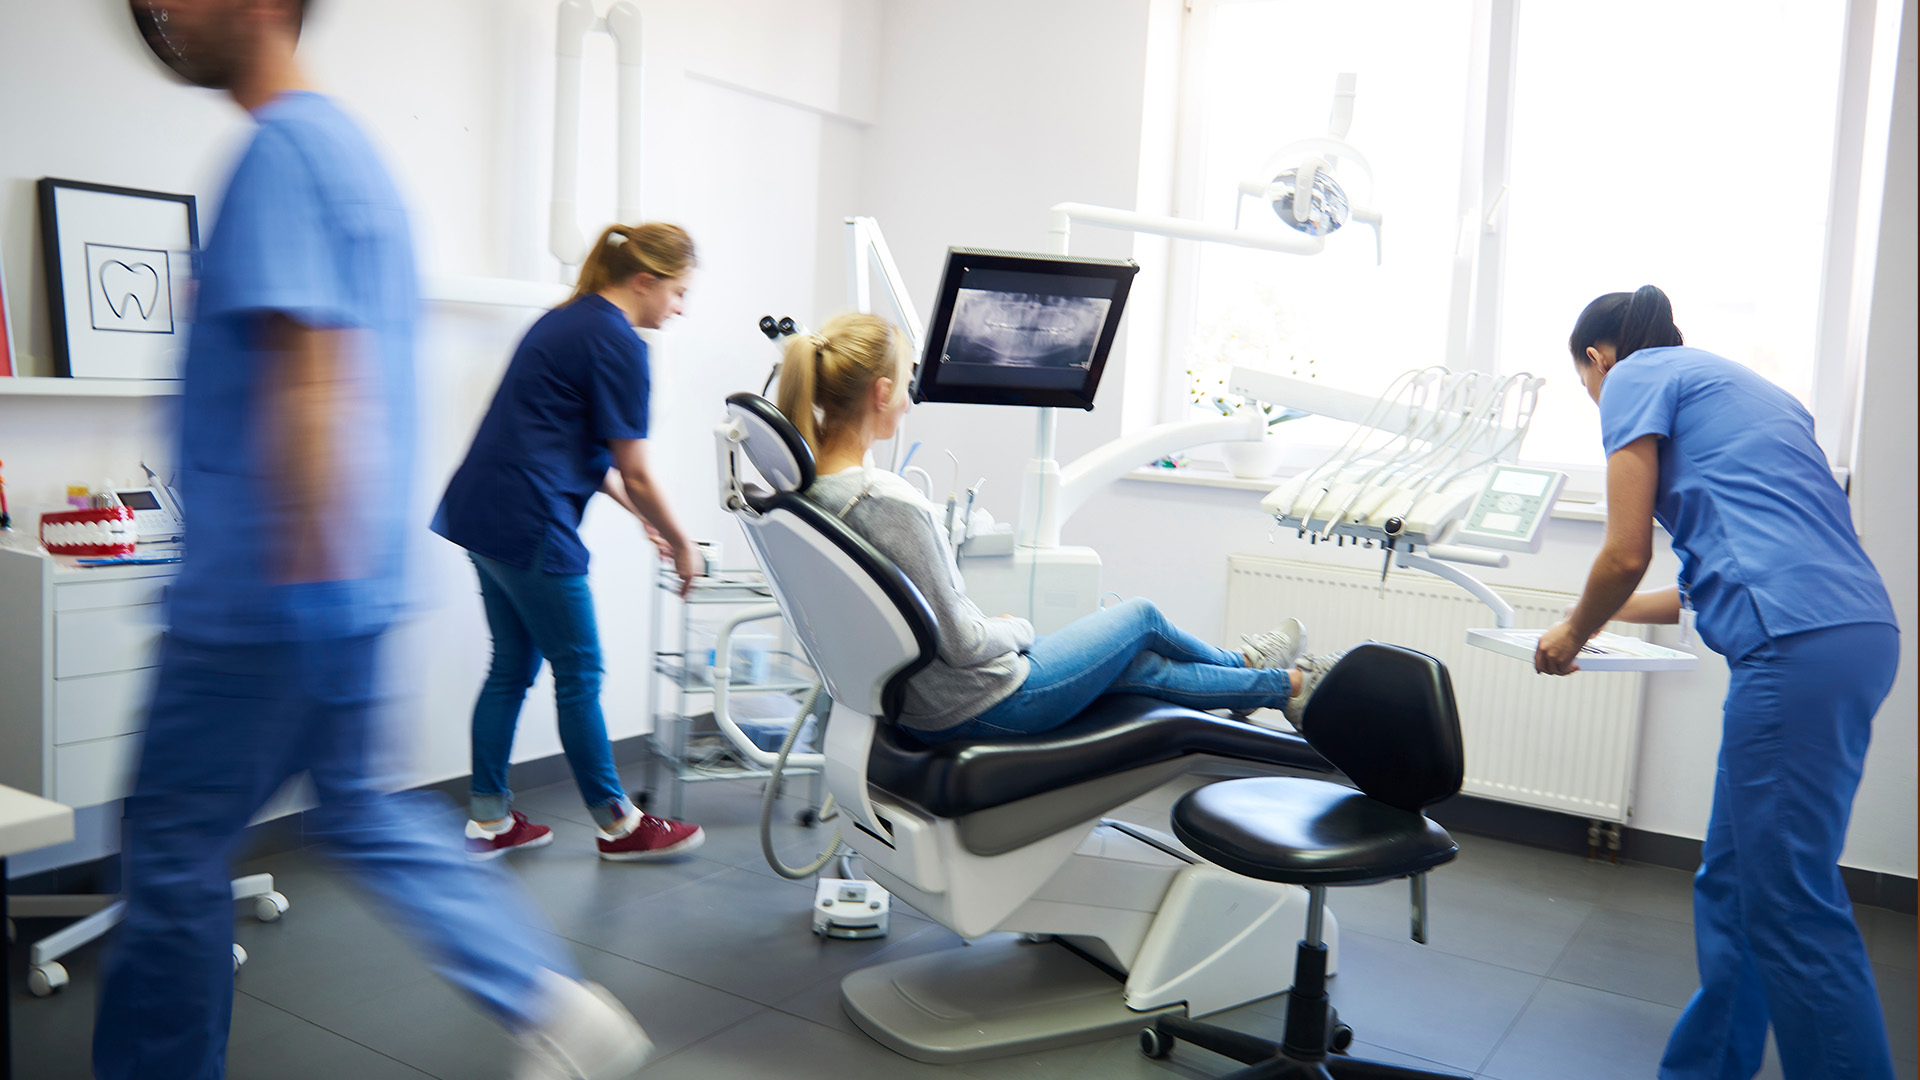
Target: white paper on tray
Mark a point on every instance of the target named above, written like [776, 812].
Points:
[1606, 652]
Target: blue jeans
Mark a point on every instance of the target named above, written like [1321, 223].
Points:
[534, 614]
[228, 724]
[1129, 648]
[1772, 923]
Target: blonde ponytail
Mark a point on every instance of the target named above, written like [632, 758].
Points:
[825, 376]
[657, 248]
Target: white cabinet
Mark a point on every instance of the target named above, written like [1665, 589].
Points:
[78, 647]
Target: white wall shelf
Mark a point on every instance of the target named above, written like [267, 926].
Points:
[54, 386]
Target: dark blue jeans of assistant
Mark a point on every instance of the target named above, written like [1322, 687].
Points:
[535, 615]
[1772, 922]
[1129, 648]
[229, 724]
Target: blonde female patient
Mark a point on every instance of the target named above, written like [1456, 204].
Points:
[845, 388]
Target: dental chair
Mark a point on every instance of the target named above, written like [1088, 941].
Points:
[1114, 923]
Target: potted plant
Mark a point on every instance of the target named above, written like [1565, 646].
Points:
[1253, 333]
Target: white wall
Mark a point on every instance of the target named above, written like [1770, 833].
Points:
[1052, 113]
[753, 115]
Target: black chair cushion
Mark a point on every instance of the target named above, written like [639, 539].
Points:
[1307, 832]
[1385, 716]
[1116, 733]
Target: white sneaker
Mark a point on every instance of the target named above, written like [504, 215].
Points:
[587, 1035]
[1276, 648]
[1312, 670]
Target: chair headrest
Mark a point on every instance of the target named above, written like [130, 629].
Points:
[772, 443]
[1386, 717]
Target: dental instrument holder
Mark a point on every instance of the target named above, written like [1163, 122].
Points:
[1401, 537]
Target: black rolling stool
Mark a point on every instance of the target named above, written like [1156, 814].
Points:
[1385, 717]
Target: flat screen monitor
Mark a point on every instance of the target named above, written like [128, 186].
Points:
[1016, 329]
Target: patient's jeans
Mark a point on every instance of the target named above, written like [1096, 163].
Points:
[534, 614]
[1129, 648]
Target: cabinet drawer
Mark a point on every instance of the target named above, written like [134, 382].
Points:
[90, 773]
[109, 639]
[128, 592]
[99, 706]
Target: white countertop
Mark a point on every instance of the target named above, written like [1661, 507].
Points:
[28, 822]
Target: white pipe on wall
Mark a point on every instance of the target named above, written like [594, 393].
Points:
[623, 23]
[575, 21]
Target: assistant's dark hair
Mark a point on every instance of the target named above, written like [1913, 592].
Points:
[1642, 319]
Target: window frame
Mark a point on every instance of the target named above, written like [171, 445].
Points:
[1857, 158]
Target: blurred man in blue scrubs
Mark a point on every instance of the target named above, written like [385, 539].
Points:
[296, 445]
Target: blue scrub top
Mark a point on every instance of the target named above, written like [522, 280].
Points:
[578, 379]
[1763, 532]
[310, 227]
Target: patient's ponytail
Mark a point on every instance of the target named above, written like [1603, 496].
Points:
[1642, 319]
[825, 376]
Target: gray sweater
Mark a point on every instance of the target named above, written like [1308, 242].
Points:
[981, 660]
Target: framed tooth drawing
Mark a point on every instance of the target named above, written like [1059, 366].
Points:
[119, 278]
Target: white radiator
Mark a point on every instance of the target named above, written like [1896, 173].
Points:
[1560, 744]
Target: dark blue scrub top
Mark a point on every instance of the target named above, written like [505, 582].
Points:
[311, 228]
[578, 379]
[1763, 532]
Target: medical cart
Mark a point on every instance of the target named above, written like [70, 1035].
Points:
[762, 662]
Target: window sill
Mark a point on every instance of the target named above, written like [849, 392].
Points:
[1199, 475]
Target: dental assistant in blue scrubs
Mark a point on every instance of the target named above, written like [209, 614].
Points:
[569, 420]
[1772, 572]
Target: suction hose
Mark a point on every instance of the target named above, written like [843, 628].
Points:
[807, 705]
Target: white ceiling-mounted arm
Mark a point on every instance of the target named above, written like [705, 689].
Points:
[1341, 118]
[623, 23]
[575, 20]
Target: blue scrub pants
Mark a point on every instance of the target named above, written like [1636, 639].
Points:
[1772, 922]
[1129, 648]
[230, 723]
[535, 615]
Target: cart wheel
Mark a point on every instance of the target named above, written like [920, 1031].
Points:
[46, 979]
[1153, 1044]
[808, 817]
[268, 907]
[239, 957]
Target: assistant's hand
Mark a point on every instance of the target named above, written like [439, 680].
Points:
[660, 543]
[1558, 649]
[688, 563]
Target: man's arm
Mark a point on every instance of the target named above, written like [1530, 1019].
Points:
[305, 393]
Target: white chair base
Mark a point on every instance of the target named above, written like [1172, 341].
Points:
[46, 975]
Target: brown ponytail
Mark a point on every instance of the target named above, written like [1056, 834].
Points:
[825, 376]
[657, 248]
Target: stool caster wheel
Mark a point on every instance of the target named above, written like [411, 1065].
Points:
[1153, 1044]
[808, 817]
[1341, 1039]
[45, 980]
[239, 957]
[268, 907]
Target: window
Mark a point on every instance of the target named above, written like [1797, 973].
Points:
[1685, 145]
[1336, 316]
[1689, 145]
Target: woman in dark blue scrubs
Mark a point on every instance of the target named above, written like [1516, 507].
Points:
[1769, 563]
[569, 420]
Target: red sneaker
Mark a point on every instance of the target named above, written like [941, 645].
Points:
[483, 845]
[651, 838]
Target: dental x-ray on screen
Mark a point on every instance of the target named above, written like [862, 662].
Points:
[1012, 329]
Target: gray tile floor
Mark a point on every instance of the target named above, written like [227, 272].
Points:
[1539, 965]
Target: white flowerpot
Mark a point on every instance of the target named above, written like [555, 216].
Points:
[1253, 460]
